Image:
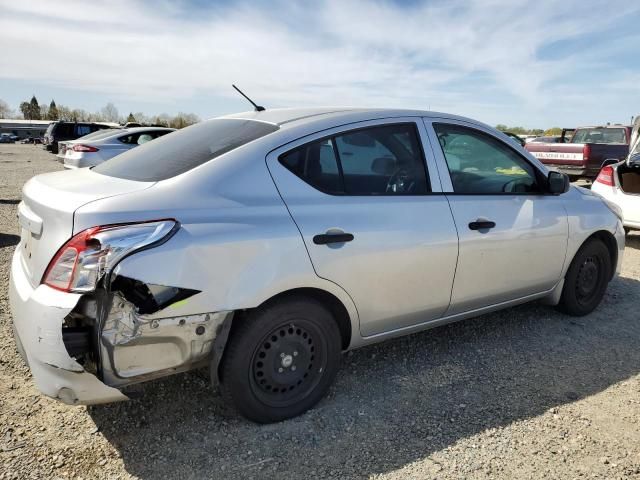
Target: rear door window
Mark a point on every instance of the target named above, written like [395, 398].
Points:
[185, 149]
[63, 130]
[82, 130]
[384, 160]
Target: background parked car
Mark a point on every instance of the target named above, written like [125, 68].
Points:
[61, 131]
[100, 146]
[6, 138]
[585, 152]
[62, 146]
[619, 183]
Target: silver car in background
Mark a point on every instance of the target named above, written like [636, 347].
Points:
[97, 147]
[62, 146]
[263, 244]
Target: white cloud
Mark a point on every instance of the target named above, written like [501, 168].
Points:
[325, 52]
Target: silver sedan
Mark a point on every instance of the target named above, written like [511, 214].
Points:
[97, 147]
[264, 244]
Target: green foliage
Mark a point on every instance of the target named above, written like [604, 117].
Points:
[53, 113]
[519, 130]
[31, 110]
[553, 132]
[35, 109]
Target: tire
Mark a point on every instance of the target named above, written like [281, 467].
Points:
[586, 279]
[280, 359]
[627, 231]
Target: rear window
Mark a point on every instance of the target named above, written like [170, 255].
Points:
[599, 135]
[174, 154]
[63, 130]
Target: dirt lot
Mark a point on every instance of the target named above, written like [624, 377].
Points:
[524, 393]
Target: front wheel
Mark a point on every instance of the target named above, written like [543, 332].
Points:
[586, 279]
[280, 359]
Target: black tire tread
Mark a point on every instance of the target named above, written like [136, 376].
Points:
[568, 303]
[234, 350]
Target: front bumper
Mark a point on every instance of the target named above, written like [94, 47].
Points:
[38, 314]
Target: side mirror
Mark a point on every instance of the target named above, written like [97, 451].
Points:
[558, 183]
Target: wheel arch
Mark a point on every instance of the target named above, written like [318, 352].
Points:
[338, 310]
[609, 241]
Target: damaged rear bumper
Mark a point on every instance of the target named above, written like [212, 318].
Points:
[38, 315]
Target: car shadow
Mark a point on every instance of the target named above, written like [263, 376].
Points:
[8, 240]
[633, 240]
[393, 403]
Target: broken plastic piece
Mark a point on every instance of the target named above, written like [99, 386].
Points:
[148, 297]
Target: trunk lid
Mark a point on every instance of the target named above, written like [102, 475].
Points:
[47, 209]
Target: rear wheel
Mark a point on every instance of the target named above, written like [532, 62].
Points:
[280, 360]
[586, 279]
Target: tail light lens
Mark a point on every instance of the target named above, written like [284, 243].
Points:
[606, 176]
[89, 255]
[84, 148]
[586, 152]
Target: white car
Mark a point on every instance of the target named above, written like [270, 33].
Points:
[62, 146]
[92, 150]
[619, 183]
[264, 244]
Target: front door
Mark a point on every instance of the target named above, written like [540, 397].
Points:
[513, 236]
[362, 199]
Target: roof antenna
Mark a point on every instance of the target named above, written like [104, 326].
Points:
[258, 108]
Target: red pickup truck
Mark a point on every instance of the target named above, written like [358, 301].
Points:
[582, 154]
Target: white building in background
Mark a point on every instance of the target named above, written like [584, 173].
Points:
[24, 128]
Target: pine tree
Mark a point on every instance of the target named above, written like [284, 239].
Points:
[53, 111]
[34, 109]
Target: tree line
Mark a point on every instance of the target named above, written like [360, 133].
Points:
[33, 110]
[550, 132]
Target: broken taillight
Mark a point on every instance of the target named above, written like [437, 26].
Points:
[87, 256]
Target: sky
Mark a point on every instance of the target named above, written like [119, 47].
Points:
[520, 63]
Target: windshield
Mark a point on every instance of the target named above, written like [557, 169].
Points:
[599, 135]
[184, 149]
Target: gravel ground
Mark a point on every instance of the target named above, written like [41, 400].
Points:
[524, 393]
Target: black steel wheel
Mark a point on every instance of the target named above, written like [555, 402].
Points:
[280, 359]
[586, 280]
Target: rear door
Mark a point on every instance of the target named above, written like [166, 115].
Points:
[513, 236]
[367, 202]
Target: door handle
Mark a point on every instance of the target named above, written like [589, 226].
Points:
[481, 225]
[327, 238]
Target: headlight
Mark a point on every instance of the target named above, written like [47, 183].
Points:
[89, 255]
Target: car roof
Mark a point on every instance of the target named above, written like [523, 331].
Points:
[300, 116]
[109, 133]
[604, 126]
[145, 129]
